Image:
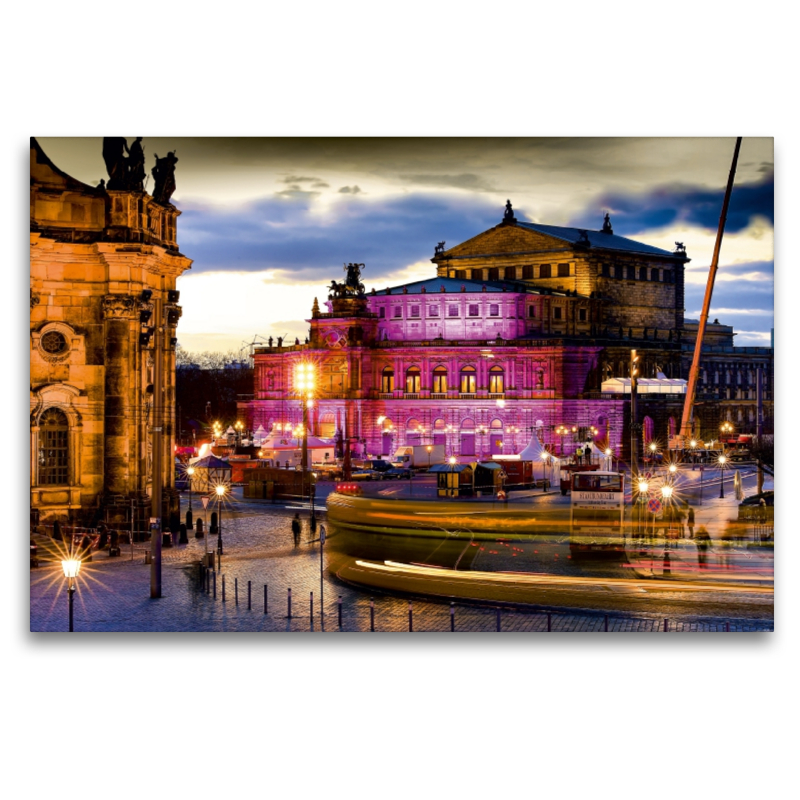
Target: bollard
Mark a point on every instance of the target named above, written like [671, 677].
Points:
[236, 590]
[606, 623]
[498, 620]
[371, 614]
[311, 608]
[727, 627]
[249, 603]
[215, 584]
[548, 623]
[223, 588]
[410, 618]
[666, 626]
[452, 616]
[265, 598]
[340, 612]
[290, 603]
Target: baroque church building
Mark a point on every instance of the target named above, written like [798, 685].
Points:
[515, 332]
[100, 259]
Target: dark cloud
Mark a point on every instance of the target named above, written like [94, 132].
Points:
[755, 299]
[671, 205]
[282, 233]
[350, 190]
[299, 179]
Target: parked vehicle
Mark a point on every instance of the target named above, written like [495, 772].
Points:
[365, 475]
[418, 456]
[397, 473]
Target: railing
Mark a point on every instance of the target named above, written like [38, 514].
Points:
[411, 396]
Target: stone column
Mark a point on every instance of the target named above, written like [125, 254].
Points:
[118, 311]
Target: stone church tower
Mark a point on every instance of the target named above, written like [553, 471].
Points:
[99, 260]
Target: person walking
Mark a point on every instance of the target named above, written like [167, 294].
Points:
[690, 522]
[296, 529]
[703, 541]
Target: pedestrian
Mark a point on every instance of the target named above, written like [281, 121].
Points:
[690, 522]
[703, 540]
[296, 529]
[578, 455]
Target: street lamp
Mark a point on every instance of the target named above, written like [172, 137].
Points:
[220, 490]
[189, 517]
[693, 445]
[71, 567]
[304, 384]
[545, 456]
[722, 461]
[429, 448]
[452, 460]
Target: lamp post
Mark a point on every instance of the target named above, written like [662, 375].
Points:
[562, 431]
[71, 567]
[429, 448]
[189, 517]
[239, 428]
[722, 460]
[304, 384]
[643, 487]
[450, 476]
[610, 455]
[545, 456]
[693, 445]
[220, 490]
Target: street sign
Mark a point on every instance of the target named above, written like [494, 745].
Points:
[654, 505]
[322, 534]
[205, 502]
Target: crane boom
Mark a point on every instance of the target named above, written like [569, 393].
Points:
[688, 405]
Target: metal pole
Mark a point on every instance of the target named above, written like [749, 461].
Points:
[249, 596]
[158, 423]
[223, 588]
[311, 608]
[371, 614]
[340, 612]
[71, 592]
[265, 598]
[452, 616]
[721, 486]
[236, 590]
[321, 587]
[290, 603]
[410, 618]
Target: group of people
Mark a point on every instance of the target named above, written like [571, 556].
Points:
[583, 455]
[297, 526]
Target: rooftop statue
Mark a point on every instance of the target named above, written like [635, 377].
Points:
[114, 148]
[438, 249]
[352, 286]
[135, 164]
[508, 215]
[164, 176]
[607, 224]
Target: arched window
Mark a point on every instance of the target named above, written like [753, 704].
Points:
[440, 380]
[648, 430]
[387, 435]
[439, 432]
[412, 380]
[496, 439]
[54, 447]
[468, 380]
[387, 380]
[414, 431]
[642, 273]
[497, 380]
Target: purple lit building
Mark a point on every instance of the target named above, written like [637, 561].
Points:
[513, 333]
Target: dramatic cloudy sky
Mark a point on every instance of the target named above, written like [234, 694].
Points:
[269, 222]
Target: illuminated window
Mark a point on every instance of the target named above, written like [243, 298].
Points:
[433, 311]
[497, 380]
[412, 380]
[440, 380]
[387, 380]
[415, 311]
[494, 310]
[468, 380]
[54, 447]
[398, 311]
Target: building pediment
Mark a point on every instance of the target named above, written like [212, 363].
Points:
[503, 240]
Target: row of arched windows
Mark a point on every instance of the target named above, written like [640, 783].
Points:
[467, 384]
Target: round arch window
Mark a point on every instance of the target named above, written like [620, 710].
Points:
[54, 343]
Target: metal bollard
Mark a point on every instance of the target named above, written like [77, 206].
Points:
[215, 583]
[727, 627]
[606, 623]
[311, 608]
[666, 626]
[452, 616]
[548, 623]
[371, 614]
[265, 598]
[498, 620]
[340, 612]
[290, 603]
[249, 598]
[236, 590]
[410, 617]
[223, 588]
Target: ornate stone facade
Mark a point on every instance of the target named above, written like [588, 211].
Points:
[93, 252]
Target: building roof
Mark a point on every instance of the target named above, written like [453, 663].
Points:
[453, 285]
[600, 240]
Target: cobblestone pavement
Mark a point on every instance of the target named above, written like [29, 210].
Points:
[113, 593]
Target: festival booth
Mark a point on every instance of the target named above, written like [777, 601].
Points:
[288, 453]
[453, 480]
[209, 472]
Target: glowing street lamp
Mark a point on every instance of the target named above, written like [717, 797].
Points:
[429, 448]
[452, 461]
[189, 517]
[71, 567]
[721, 460]
[220, 490]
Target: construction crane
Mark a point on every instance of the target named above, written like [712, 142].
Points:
[688, 407]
